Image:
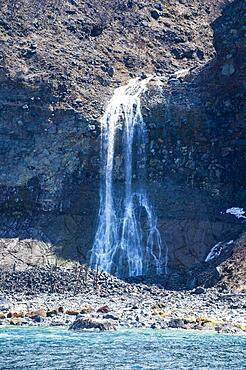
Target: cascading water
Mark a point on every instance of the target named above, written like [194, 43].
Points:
[127, 241]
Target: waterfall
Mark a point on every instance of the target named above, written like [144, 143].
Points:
[127, 240]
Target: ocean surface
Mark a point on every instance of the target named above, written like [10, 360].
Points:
[31, 348]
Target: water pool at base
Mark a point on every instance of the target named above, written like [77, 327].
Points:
[31, 348]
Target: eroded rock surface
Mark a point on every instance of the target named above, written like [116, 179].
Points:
[52, 95]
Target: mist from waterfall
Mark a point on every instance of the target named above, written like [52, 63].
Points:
[127, 240]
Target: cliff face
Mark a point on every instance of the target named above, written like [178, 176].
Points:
[197, 151]
[233, 270]
[82, 50]
[57, 72]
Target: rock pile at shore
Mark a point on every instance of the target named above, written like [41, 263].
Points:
[83, 299]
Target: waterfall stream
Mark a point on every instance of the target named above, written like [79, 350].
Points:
[127, 240]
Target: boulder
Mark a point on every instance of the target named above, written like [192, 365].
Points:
[104, 309]
[176, 323]
[37, 318]
[72, 312]
[4, 304]
[155, 14]
[87, 308]
[51, 313]
[199, 290]
[40, 312]
[92, 324]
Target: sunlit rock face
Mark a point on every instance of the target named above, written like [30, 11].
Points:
[50, 156]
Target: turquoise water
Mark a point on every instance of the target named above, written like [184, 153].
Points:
[150, 349]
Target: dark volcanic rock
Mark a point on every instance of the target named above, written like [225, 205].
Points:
[155, 14]
[92, 324]
[199, 290]
[176, 324]
[51, 98]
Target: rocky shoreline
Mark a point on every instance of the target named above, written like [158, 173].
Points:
[82, 299]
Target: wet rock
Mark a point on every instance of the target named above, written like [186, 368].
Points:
[110, 316]
[200, 54]
[227, 328]
[97, 30]
[176, 323]
[37, 318]
[57, 323]
[154, 14]
[92, 324]
[199, 290]
[143, 76]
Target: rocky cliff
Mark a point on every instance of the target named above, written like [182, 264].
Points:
[60, 62]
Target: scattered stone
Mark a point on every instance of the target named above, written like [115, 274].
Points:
[51, 313]
[158, 6]
[181, 53]
[155, 14]
[143, 76]
[4, 304]
[15, 322]
[108, 69]
[14, 314]
[104, 309]
[110, 316]
[28, 53]
[86, 309]
[37, 318]
[127, 305]
[200, 54]
[72, 312]
[227, 328]
[40, 312]
[97, 30]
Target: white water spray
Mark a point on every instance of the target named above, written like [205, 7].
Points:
[127, 241]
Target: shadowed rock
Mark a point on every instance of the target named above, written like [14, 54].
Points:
[92, 324]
